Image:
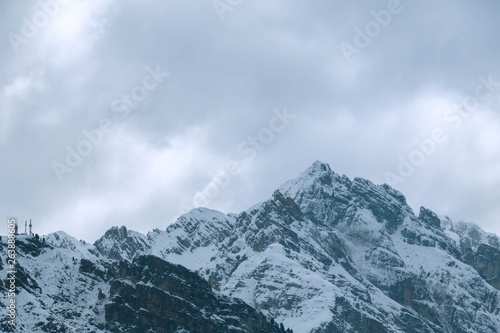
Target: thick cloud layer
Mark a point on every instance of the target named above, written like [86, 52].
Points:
[127, 112]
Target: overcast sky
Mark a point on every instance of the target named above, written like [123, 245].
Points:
[163, 97]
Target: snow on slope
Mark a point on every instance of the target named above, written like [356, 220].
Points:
[51, 281]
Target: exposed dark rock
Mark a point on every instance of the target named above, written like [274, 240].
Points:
[31, 245]
[487, 262]
[429, 218]
[87, 266]
[151, 294]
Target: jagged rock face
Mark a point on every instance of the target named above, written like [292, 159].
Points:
[429, 218]
[481, 251]
[119, 243]
[152, 295]
[384, 255]
[486, 260]
[323, 254]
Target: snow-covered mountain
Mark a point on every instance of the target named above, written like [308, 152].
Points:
[65, 287]
[323, 254]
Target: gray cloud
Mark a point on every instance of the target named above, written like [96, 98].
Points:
[226, 77]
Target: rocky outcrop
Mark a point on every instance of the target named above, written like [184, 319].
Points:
[119, 243]
[87, 266]
[429, 218]
[152, 295]
[486, 260]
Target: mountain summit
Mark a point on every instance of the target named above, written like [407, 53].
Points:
[322, 254]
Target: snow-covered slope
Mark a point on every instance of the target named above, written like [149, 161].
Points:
[53, 295]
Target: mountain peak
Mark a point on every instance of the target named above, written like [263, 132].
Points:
[318, 170]
[121, 243]
[319, 174]
[318, 165]
[202, 213]
[118, 233]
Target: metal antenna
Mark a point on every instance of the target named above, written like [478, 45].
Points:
[30, 228]
[25, 227]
